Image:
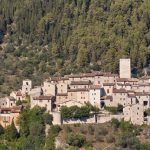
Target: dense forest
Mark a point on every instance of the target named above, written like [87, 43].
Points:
[39, 38]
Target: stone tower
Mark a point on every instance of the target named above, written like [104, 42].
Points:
[26, 86]
[125, 68]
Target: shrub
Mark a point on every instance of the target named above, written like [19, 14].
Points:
[83, 130]
[67, 129]
[76, 140]
[110, 139]
[1, 130]
[115, 123]
[19, 102]
[112, 110]
[102, 131]
[99, 137]
[48, 118]
[55, 129]
[128, 140]
[91, 129]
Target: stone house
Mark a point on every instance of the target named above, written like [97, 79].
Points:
[108, 87]
[43, 101]
[134, 113]
[7, 115]
[95, 94]
[143, 99]
[26, 86]
[80, 84]
[17, 95]
[49, 88]
[60, 98]
[7, 102]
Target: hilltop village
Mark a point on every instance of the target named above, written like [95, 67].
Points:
[97, 88]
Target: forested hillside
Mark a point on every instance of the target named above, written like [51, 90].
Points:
[39, 38]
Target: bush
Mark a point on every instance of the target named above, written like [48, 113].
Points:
[112, 110]
[110, 139]
[91, 129]
[83, 130]
[102, 131]
[3, 147]
[19, 102]
[99, 137]
[115, 123]
[67, 129]
[48, 118]
[1, 130]
[128, 140]
[76, 140]
[126, 126]
[55, 129]
[11, 132]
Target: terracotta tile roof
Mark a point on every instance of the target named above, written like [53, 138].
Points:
[107, 98]
[43, 98]
[15, 109]
[78, 90]
[108, 84]
[95, 86]
[119, 90]
[144, 84]
[18, 93]
[145, 78]
[11, 98]
[125, 84]
[81, 83]
[62, 94]
[122, 79]
[131, 95]
[142, 93]
[64, 78]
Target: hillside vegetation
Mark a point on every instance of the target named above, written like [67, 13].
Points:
[37, 133]
[39, 38]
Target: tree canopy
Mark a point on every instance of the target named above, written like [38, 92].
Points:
[56, 37]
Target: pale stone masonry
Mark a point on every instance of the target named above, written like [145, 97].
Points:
[125, 68]
[98, 88]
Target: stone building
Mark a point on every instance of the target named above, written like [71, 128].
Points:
[43, 101]
[125, 68]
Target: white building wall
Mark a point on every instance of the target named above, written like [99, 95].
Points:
[125, 68]
[26, 86]
[42, 103]
[62, 88]
[49, 88]
[94, 97]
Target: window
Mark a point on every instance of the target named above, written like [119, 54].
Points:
[145, 103]
[107, 90]
[27, 83]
